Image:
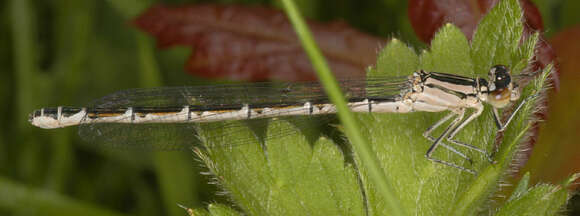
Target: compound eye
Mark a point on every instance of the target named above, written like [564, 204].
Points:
[499, 69]
[501, 76]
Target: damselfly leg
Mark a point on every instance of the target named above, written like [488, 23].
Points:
[474, 115]
[436, 142]
[501, 127]
[457, 125]
[427, 134]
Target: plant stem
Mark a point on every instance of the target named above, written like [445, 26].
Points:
[351, 128]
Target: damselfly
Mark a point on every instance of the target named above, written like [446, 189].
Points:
[126, 116]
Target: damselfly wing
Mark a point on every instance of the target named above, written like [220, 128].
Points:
[170, 118]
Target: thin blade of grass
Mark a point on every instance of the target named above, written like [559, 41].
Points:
[351, 128]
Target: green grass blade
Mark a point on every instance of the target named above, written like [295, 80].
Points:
[351, 128]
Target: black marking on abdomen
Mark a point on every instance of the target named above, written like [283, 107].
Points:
[188, 114]
[222, 107]
[69, 111]
[51, 112]
[97, 112]
[258, 110]
[148, 110]
[37, 113]
[132, 115]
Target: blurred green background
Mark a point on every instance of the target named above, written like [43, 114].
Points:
[69, 52]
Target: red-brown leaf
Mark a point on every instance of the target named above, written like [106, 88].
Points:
[556, 154]
[255, 43]
[427, 16]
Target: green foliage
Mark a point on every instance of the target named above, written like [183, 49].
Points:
[449, 52]
[497, 37]
[543, 199]
[284, 175]
[396, 59]
[288, 176]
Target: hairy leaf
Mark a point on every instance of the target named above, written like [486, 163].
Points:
[425, 187]
[284, 175]
[543, 199]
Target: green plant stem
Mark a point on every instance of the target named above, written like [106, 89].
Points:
[26, 73]
[24, 55]
[351, 128]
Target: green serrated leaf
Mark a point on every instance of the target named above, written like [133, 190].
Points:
[497, 36]
[527, 49]
[570, 179]
[522, 187]
[540, 200]
[525, 53]
[398, 138]
[449, 52]
[339, 179]
[238, 169]
[396, 59]
[284, 175]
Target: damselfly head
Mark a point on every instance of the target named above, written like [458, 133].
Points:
[499, 77]
[502, 90]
